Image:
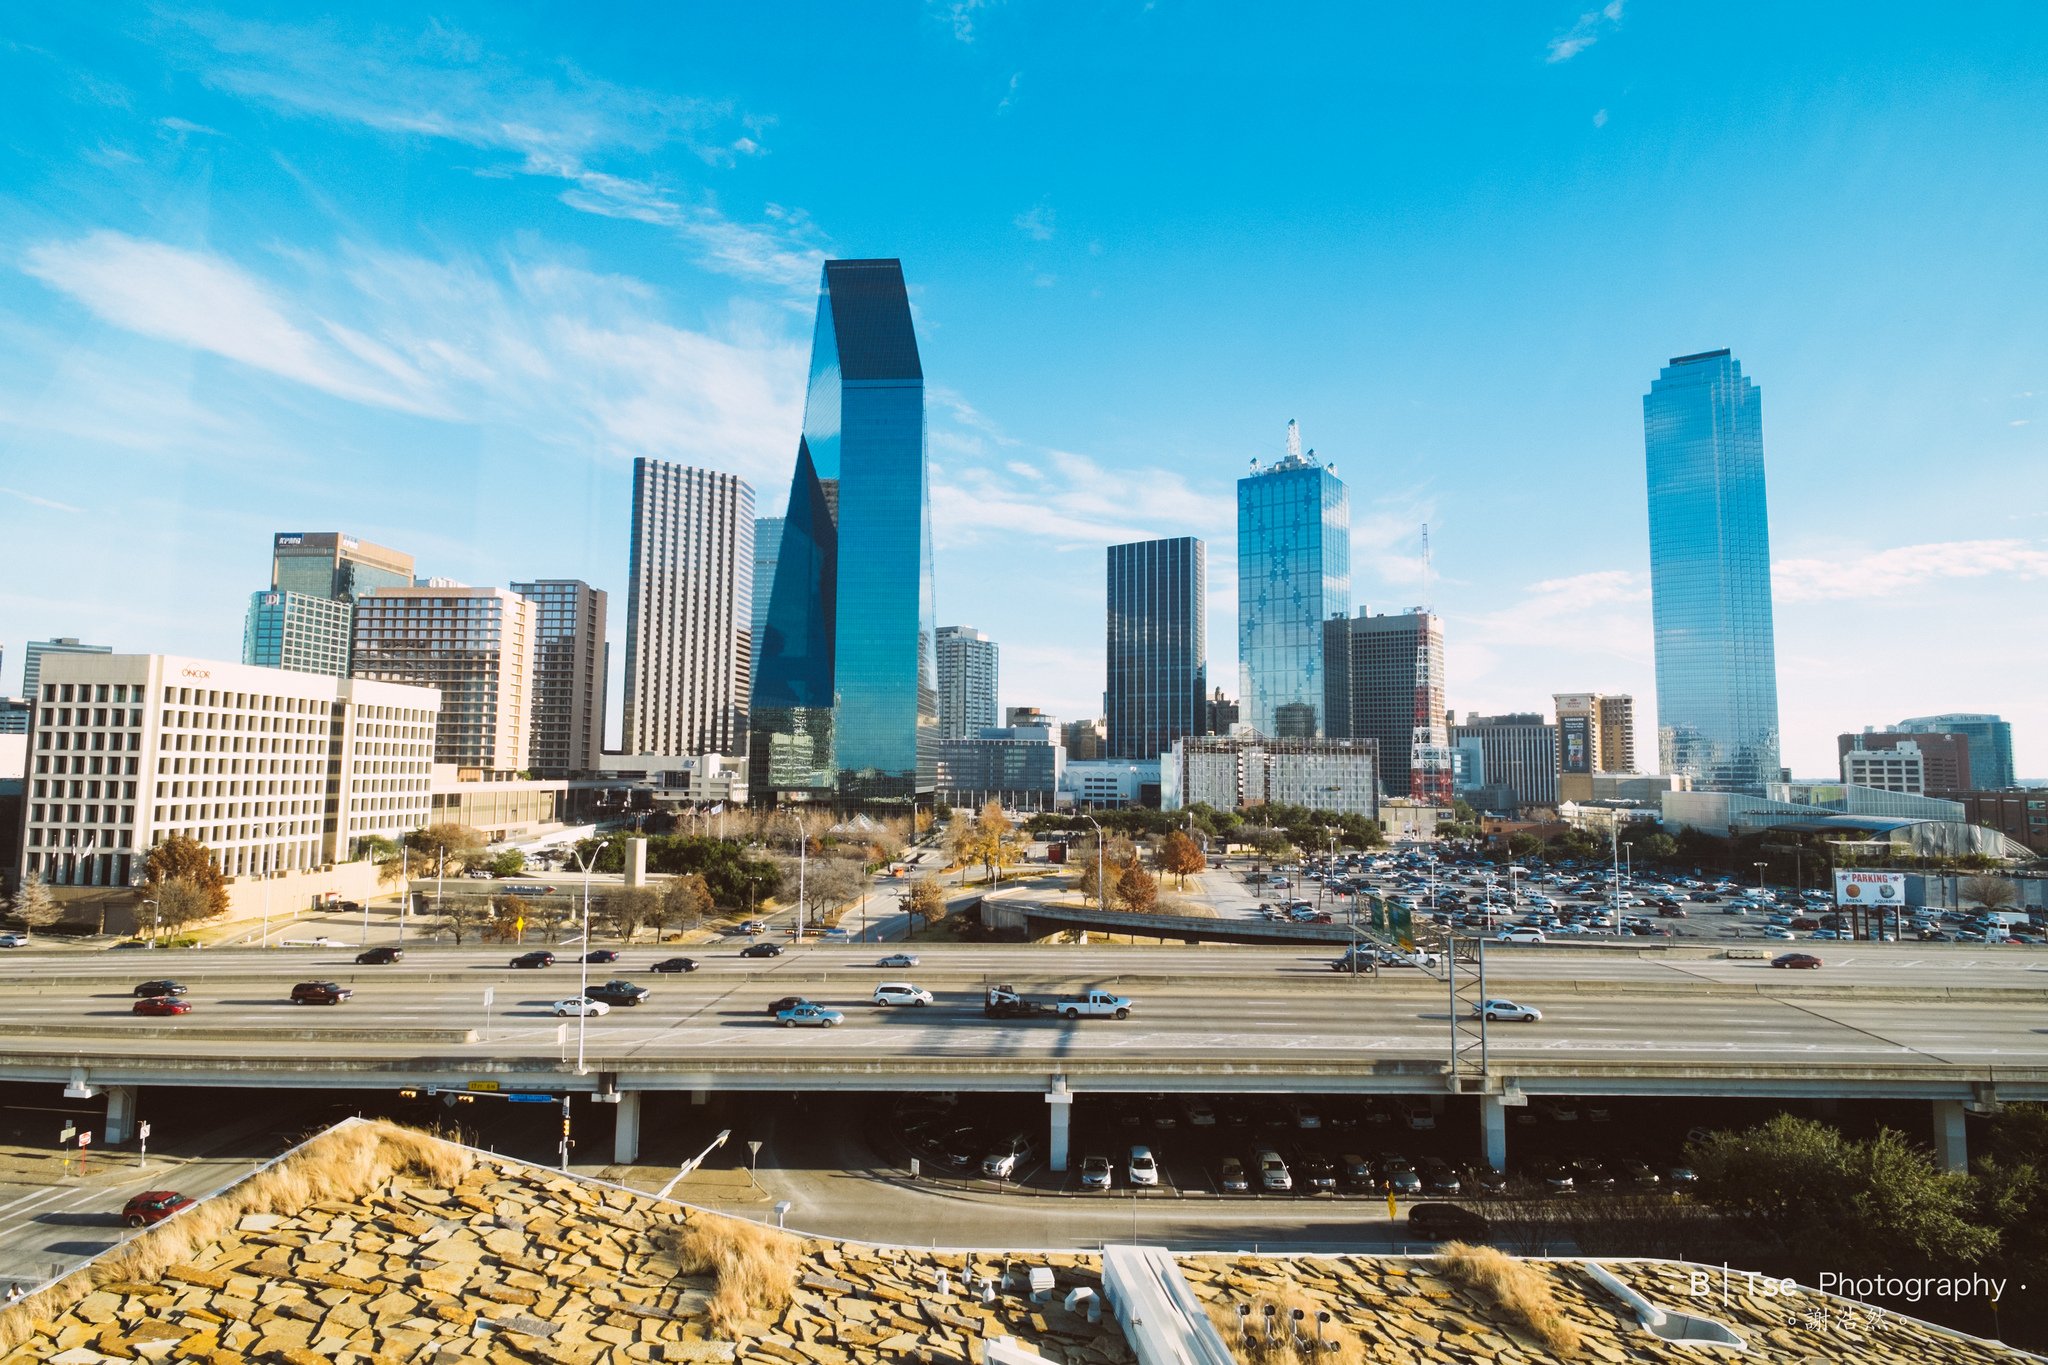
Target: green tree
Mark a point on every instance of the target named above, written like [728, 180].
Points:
[178, 858]
[33, 905]
[1180, 857]
[1801, 1185]
[685, 901]
[1656, 848]
[1993, 893]
[1136, 890]
[179, 901]
[510, 863]
[461, 846]
[1524, 846]
[514, 915]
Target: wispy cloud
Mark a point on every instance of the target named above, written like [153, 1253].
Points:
[198, 300]
[1036, 222]
[1600, 118]
[35, 501]
[1010, 93]
[958, 15]
[1590, 28]
[185, 127]
[1886, 573]
[441, 84]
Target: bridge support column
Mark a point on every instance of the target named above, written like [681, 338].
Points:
[120, 1115]
[1493, 1131]
[699, 1096]
[1061, 1102]
[626, 1129]
[1951, 1150]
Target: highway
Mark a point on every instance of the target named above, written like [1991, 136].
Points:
[1209, 1008]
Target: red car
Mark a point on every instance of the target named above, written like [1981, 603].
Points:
[162, 1004]
[153, 1207]
[1795, 960]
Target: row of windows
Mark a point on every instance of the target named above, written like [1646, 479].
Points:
[78, 739]
[89, 692]
[90, 791]
[80, 815]
[78, 763]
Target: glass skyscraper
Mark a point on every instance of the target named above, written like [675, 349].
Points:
[1158, 645]
[1293, 573]
[846, 688]
[1710, 575]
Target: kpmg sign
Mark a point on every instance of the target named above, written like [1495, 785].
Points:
[1576, 734]
[285, 538]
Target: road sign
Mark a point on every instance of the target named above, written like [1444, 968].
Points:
[85, 1139]
[67, 1132]
[483, 1085]
[531, 1099]
[143, 1131]
[490, 993]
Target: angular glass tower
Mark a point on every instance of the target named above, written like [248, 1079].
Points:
[1293, 573]
[845, 689]
[1710, 575]
[1157, 645]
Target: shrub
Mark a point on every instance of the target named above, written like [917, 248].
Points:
[1516, 1288]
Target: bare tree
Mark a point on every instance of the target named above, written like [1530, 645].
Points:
[626, 909]
[685, 901]
[34, 906]
[181, 901]
[462, 915]
[926, 903]
[1993, 893]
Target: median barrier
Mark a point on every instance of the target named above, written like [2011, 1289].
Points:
[245, 1033]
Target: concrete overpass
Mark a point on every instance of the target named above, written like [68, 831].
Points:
[1954, 1029]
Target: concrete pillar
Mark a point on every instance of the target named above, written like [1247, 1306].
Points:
[699, 1096]
[1493, 1131]
[120, 1115]
[636, 862]
[1951, 1150]
[1061, 1101]
[626, 1129]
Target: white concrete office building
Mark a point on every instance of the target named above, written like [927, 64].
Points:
[273, 770]
[689, 612]
[1231, 773]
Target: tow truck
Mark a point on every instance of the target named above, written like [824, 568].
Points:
[1006, 1002]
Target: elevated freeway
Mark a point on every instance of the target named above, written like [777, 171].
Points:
[1954, 1028]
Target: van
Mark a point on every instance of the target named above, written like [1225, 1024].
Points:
[1415, 1112]
[1272, 1170]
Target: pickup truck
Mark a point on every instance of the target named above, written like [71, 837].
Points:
[1005, 1002]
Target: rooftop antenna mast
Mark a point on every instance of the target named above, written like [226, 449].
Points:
[1428, 598]
[1293, 439]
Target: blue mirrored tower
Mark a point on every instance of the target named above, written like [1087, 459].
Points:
[1710, 575]
[1293, 573]
[845, 700]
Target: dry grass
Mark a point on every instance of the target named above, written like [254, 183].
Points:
[1349, 1350]
[344, 1164]
[1519, 1290]
[753, 1268]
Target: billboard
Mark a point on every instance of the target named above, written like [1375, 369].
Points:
[1880, 889]
[1576, 735]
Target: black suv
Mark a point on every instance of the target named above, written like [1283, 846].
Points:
[537, 958]
[618, 993]
[762, 950]
[150, 989]
[372, 957]
[1443, 1222]
[320, 993]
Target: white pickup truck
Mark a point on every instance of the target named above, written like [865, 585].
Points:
[1095, 1004]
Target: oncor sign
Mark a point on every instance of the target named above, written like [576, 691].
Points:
[1870, 888]
[195, 672]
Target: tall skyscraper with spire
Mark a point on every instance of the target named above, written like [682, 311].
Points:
[846, 687]
[1293, 573]
[1710, 575]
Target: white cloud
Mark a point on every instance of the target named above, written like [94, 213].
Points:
[1600, 119]
[1010, 93]
[1886, 573]
[958, 15]
[198, 300]
[186, 127]
[1587, 31]
[34, 500]
[1036, 222]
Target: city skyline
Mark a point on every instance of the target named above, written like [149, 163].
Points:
[517, 311]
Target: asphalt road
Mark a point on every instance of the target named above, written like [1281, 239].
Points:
[1190, 1002]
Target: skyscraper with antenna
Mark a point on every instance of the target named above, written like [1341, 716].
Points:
[1293, 573]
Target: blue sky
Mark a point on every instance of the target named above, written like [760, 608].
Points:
[437, 281]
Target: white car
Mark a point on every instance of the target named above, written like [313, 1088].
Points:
[1777, 931]
[898, 960]
[571, 1008]
[1508, 1011]
[1520, 935]
[1143, 1170]
[901, 993]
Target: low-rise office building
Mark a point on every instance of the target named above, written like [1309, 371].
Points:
[1018, 765]
[1234, 772]
[1110, 782]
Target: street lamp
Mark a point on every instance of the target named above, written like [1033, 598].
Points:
[1628, 862]
[1760, 866]
[1101, 890]
[156, 921]
[803, 844]
[583, 865]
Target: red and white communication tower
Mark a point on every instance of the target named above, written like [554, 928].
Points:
[1429, 747]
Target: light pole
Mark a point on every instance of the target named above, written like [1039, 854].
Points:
[1760, 866]
[803, 845]
[157, 920]
[583, 865]
[1101, 891]
[1628, 865]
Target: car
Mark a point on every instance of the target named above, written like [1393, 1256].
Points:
[1558, 1110]
[1142, 1168]
[1554, 1176]
[1636, 1171]
[901, 993]
[1273, 1173]
[601, 955]
[154, 1207]
[1003, 1160]
[154, 988]
[1307, 1116]
[898, 960]
[1520, 934]
[1447, 1222]
[13, 940]
[1590, 1173]
[1439, 1176]
[1485, 1178]
[162, 1005]
[382, 955]
[810, 1016]
[1415, 1112]
[676, 964]
[1230, 1176]
[1358, 1173]
[1096, 1173]
[1397, 1173]
[1796, 961]
[580, 1007]
[1509, 1011]
[754, 926]
[539, 957]
[617, 992]
[320, 993]
[787, 1002]
[1682, 1176]
[1779, 931]
[762, 950]
[1201, 1114]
